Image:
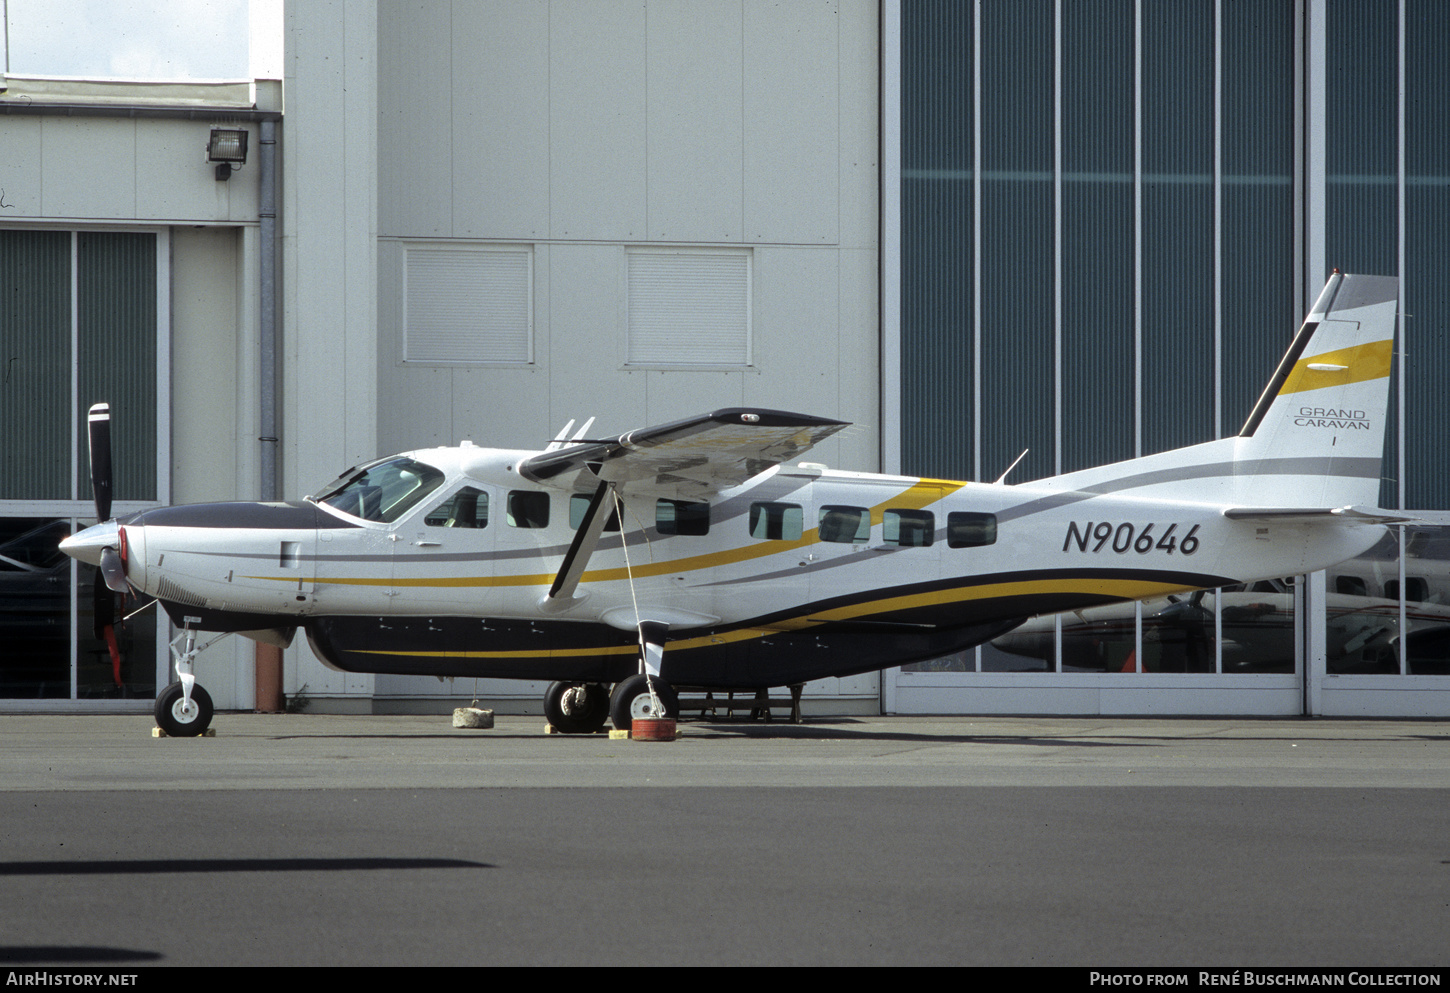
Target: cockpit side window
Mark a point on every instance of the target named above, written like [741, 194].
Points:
[383, 491]
[468, 508]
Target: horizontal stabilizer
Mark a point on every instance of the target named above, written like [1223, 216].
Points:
[1312, 515]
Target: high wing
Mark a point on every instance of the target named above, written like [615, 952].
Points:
[697, 455]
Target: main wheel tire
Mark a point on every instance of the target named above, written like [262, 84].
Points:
[631, 699]
[176, 719]
[576, 708]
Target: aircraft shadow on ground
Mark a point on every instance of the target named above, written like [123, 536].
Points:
[102, 867]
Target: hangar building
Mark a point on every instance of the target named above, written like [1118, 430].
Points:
[1086, 230]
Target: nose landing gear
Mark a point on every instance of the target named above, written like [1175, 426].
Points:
[184, 709]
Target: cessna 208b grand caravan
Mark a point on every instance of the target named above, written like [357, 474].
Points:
[693, 554]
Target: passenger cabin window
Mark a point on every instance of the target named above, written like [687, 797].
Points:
[1352, 585]
[383, 491]
[1416, 589]
[908, 528]
[682, 517]
[579, 507]
[776, 521]
[968, 530]
[468, 508]
[527, 509]
[845, 525]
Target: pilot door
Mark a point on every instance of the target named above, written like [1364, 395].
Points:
[443, 557]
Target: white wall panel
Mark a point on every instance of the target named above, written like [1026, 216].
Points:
[859, 385]
[586, 348]
[797, 331]
[124, 169]
[21, 171]
[597, 120]
[174, 180]
[792, 122]
[675, 394]
[501, 119]
[89, 164]
[330, 411]
[415, 119]
[696, 125]
[860, 84]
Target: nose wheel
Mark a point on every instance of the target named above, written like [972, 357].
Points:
[183, 710]
[180, 717]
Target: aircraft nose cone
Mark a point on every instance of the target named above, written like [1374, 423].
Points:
[87, 545]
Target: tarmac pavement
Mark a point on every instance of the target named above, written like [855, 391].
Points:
[400, 840]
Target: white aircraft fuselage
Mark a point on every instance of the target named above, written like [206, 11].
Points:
[703, 552]
[413, 596]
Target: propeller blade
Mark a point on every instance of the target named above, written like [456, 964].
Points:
[100, 441]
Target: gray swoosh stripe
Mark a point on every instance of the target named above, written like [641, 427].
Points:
[1317, 466]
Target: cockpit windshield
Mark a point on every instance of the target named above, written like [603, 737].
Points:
[383, 491]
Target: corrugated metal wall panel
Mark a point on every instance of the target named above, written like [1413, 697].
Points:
[1098, 258]
[1018, 240]
[35, 386]
[1261, 307]
[937, 218]
[116, 354]
[1179, 376]
[1427, 251]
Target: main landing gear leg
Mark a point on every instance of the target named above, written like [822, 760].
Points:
[646, 694]
[184, 709]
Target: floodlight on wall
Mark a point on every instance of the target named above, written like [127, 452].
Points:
[227, 148]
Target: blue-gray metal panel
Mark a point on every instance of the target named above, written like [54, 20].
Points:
[116, 324]
[35, 387]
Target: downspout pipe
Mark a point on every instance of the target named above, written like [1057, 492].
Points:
[267, 213]
[268, 672]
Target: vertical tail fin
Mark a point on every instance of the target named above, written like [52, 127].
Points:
[1315, 438]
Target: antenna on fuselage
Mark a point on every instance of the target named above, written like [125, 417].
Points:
[1003, 478]
[558, 441]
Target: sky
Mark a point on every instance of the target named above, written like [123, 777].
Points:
[145, 39]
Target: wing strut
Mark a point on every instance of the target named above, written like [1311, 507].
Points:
[586, 539]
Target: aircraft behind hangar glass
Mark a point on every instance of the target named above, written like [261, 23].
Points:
[693, 554]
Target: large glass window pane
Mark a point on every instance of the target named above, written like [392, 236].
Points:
[35, 580]
[121, 662]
